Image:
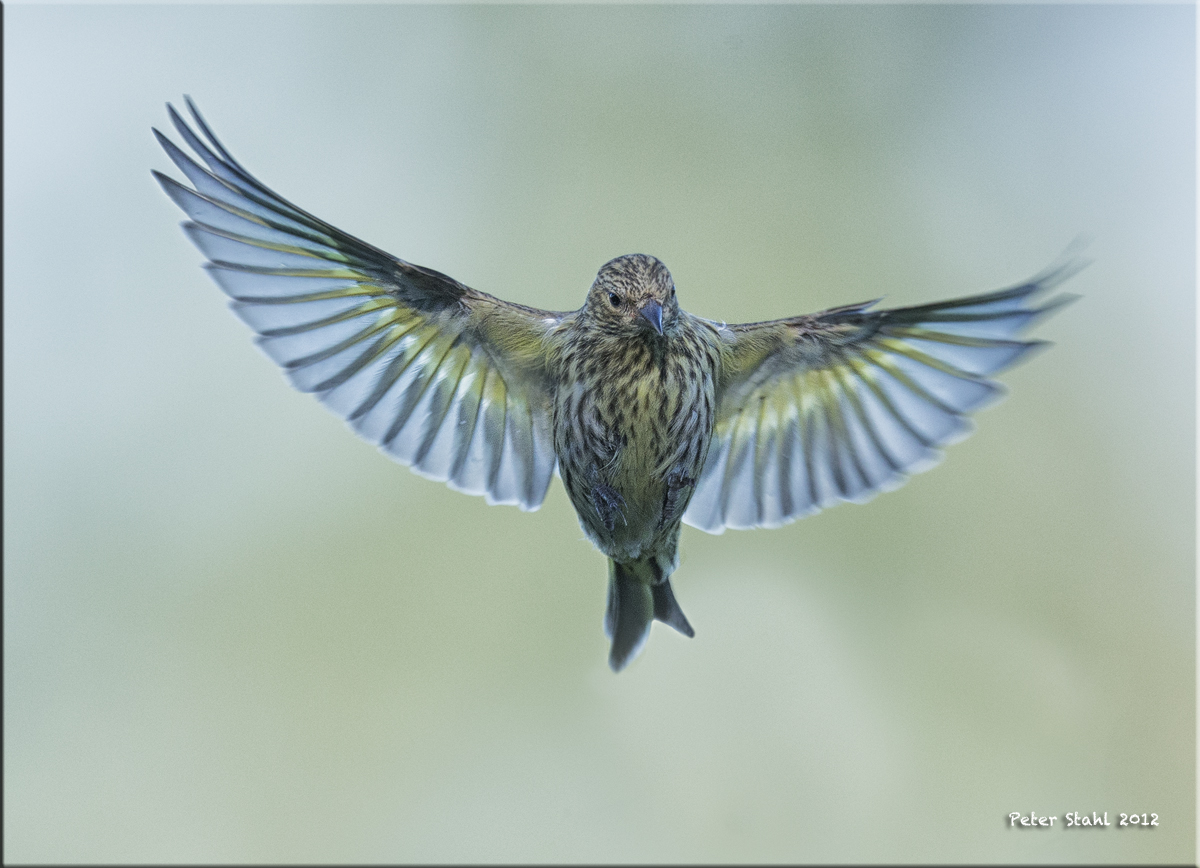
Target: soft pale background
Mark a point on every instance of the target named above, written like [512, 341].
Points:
[235, 632]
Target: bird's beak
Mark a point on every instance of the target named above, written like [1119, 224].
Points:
[651, 312]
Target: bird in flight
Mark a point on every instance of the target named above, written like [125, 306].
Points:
[653, 417]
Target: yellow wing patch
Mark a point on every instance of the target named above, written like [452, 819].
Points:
[853, 402]
[391, 348]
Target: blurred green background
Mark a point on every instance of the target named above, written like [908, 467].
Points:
[234, 632]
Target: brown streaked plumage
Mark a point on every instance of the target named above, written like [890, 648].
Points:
[652, 416]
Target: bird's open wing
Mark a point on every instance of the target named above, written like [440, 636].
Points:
[450, 381]
[846, 403]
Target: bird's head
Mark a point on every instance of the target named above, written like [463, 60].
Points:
[634, 294]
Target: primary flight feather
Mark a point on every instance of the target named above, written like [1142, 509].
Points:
[651, 415]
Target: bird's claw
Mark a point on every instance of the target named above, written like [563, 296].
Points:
[677, 483]
[609, 504]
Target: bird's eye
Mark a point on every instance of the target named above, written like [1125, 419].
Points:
[614, 299]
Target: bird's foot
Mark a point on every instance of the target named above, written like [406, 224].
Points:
[677, 483]
[609, 504]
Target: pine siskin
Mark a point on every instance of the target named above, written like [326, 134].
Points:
[652, 416]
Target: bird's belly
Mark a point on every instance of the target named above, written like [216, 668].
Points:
[630, 461]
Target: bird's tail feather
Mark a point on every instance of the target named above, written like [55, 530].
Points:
[634, 603]
[667, 610]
